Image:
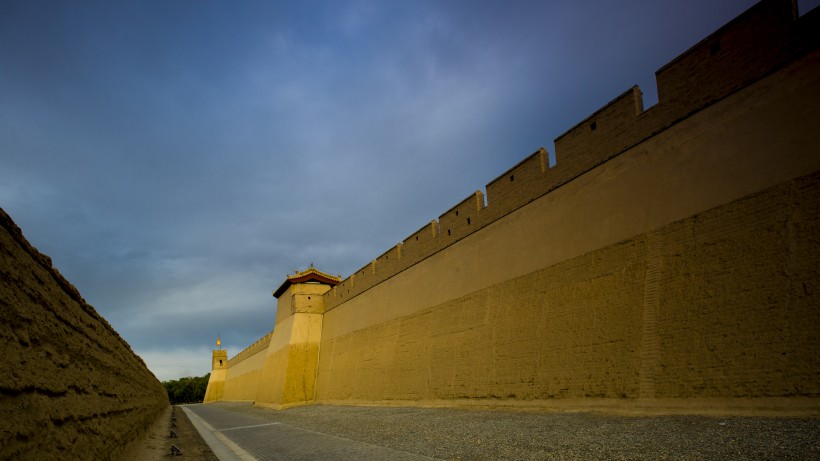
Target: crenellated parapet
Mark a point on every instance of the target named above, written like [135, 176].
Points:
[461, 219]
[610, 130]
[521, 184]
[259, 345]
[760, 41]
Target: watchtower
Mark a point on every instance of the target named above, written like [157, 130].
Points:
[219, 371]
[292, 362]
[301, 293]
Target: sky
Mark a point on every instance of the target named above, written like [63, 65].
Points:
[177, 159]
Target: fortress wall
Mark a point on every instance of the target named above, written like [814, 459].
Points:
[738, 310]
[756, 43]
[415, 248]
[761, 137]
[70, 386]
[522, 339]
[279, 370]
[732, 320]
[660, 241]
[260, 344]
[243, 376]
[289, 373]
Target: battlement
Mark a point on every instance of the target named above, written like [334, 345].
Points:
[763, 39]
[604, 134]
[740, 52]
[260, 344]
[457, 221]
[526, 181]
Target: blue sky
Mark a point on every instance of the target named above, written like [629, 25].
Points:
[177, 159]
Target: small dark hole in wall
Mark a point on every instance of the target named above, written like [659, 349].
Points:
[512, 177]
[456, 212]
[220, 361]
[714, 48]
[448, 231]
[468, 221]
[308, 297]
[593, 126]
[417, 238]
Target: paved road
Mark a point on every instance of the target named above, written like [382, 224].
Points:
[235, 436]
[316, 432]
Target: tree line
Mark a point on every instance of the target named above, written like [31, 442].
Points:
[187, 390]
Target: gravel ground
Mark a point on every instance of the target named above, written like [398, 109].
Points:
[458, 434]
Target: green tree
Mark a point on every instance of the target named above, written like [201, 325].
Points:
[187, 390]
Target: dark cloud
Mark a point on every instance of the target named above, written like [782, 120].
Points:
[178, 159]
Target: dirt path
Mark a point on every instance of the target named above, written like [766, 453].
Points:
[157, 443]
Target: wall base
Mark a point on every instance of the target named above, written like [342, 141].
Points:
[774, 406]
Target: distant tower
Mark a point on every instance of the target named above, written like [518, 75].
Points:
[219, 371]
[220, 360]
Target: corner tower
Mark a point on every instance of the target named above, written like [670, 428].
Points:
[301, 293]
[219, 371]
[293, 356]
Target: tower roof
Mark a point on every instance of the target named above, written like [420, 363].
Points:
[310, 274]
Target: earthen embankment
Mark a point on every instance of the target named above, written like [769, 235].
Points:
[70, 386]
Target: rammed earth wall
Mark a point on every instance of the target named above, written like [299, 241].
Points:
[70, 386]
[730, 319]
